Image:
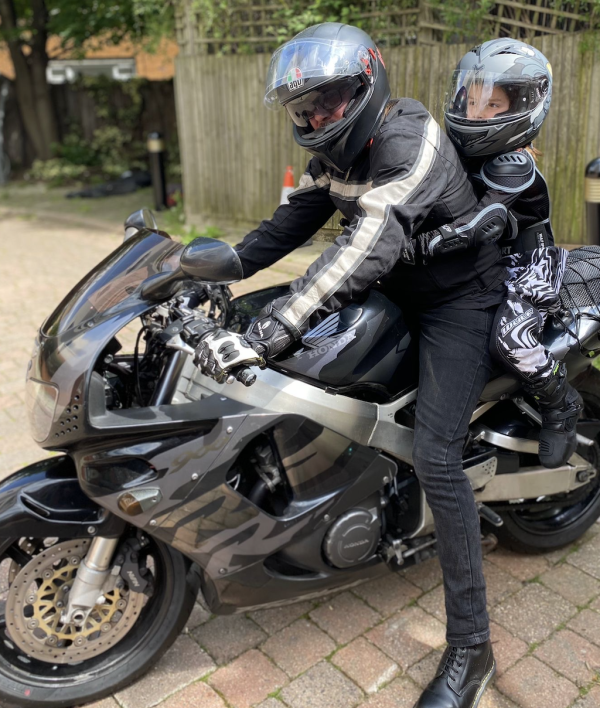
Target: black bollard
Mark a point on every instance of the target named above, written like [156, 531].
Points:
[592, 201]
[156, 157]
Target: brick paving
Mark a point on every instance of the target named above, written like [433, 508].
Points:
[373, 646]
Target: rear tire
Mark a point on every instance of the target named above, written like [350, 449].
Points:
[33, 683]
[530, 533]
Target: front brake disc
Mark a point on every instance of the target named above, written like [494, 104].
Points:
[38, 595]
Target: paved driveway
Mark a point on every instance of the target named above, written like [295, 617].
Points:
[374, 646]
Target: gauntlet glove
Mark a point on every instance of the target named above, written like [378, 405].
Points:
[268, 334]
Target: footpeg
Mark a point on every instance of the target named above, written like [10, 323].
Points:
[488, 543]
[489, 515]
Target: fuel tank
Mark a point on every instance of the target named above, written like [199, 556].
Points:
[363, 346]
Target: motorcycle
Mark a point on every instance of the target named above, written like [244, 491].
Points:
[288, 483]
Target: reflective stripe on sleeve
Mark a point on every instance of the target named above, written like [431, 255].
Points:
[307, 183]
[375, 205]
[344, 190]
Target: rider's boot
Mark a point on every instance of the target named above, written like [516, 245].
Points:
[561, 407]
[461, 678]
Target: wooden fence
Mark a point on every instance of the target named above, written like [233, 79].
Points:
[234, 151]
[250, 26]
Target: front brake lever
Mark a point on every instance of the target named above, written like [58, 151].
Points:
[177, 342]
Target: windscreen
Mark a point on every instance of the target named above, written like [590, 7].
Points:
[114, 284]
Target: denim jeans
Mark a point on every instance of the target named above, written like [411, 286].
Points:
[454, 366]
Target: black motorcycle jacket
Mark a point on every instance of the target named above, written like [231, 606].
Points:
[409, 180]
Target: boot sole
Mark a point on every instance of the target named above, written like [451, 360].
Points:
[486, 679]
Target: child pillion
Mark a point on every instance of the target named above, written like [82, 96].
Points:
[499, 97]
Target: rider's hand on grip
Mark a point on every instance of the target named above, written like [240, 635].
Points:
[220, 352]
[243, 375]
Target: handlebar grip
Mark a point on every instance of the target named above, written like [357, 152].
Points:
[246, 376]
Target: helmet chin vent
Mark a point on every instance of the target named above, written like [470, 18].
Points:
[466, 139]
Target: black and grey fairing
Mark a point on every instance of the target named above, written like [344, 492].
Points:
[280, 490]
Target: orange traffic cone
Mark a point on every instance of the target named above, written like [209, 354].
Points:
[288, 184]
[287, 189]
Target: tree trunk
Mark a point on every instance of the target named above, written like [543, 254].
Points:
[38, 62]
[32, 90]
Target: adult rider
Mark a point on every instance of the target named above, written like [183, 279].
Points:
[389, 169]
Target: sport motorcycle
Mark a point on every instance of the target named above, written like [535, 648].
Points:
[289, 483]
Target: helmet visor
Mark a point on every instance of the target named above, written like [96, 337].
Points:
[489, 96]
[328, 103]
[299, 60]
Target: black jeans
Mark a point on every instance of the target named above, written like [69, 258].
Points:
[454, 366]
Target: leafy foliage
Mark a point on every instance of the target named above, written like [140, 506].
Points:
[106, 157]
[278, 20]
[465, 19]
[219, 19]
[105, 21]
[111, 149]
[56, 172]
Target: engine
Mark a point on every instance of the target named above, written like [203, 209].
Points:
[353, 538]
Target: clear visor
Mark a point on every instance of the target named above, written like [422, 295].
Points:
[481, 95]
[300, 60]
[326, 104]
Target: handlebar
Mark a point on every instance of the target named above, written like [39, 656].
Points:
[244, 375]
[186, 332]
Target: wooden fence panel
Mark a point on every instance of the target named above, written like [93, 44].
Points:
[247, 27]
[234, 151]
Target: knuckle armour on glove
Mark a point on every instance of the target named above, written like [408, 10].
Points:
[221, 351]
[268, 335]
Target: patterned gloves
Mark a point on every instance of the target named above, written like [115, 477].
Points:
[220, 352]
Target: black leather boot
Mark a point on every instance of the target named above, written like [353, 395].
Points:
[560, 406]
[461, 678]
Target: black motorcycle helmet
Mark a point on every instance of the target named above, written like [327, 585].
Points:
[508, 74]
[319, 70]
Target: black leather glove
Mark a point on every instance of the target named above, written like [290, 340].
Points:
[268, 334]
[432, 244]
[441, 241]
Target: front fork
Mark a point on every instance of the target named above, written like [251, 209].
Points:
[90, 581]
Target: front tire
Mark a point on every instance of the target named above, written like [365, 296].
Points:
[31, 682]
[531, 532]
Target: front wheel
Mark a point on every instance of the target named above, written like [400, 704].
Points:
[46, 664]
[532, 531]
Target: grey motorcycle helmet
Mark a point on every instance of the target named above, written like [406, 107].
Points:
[319, 70]
[509, 76]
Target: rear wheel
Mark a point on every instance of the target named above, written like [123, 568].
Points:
[532, 531]
[46, 664]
